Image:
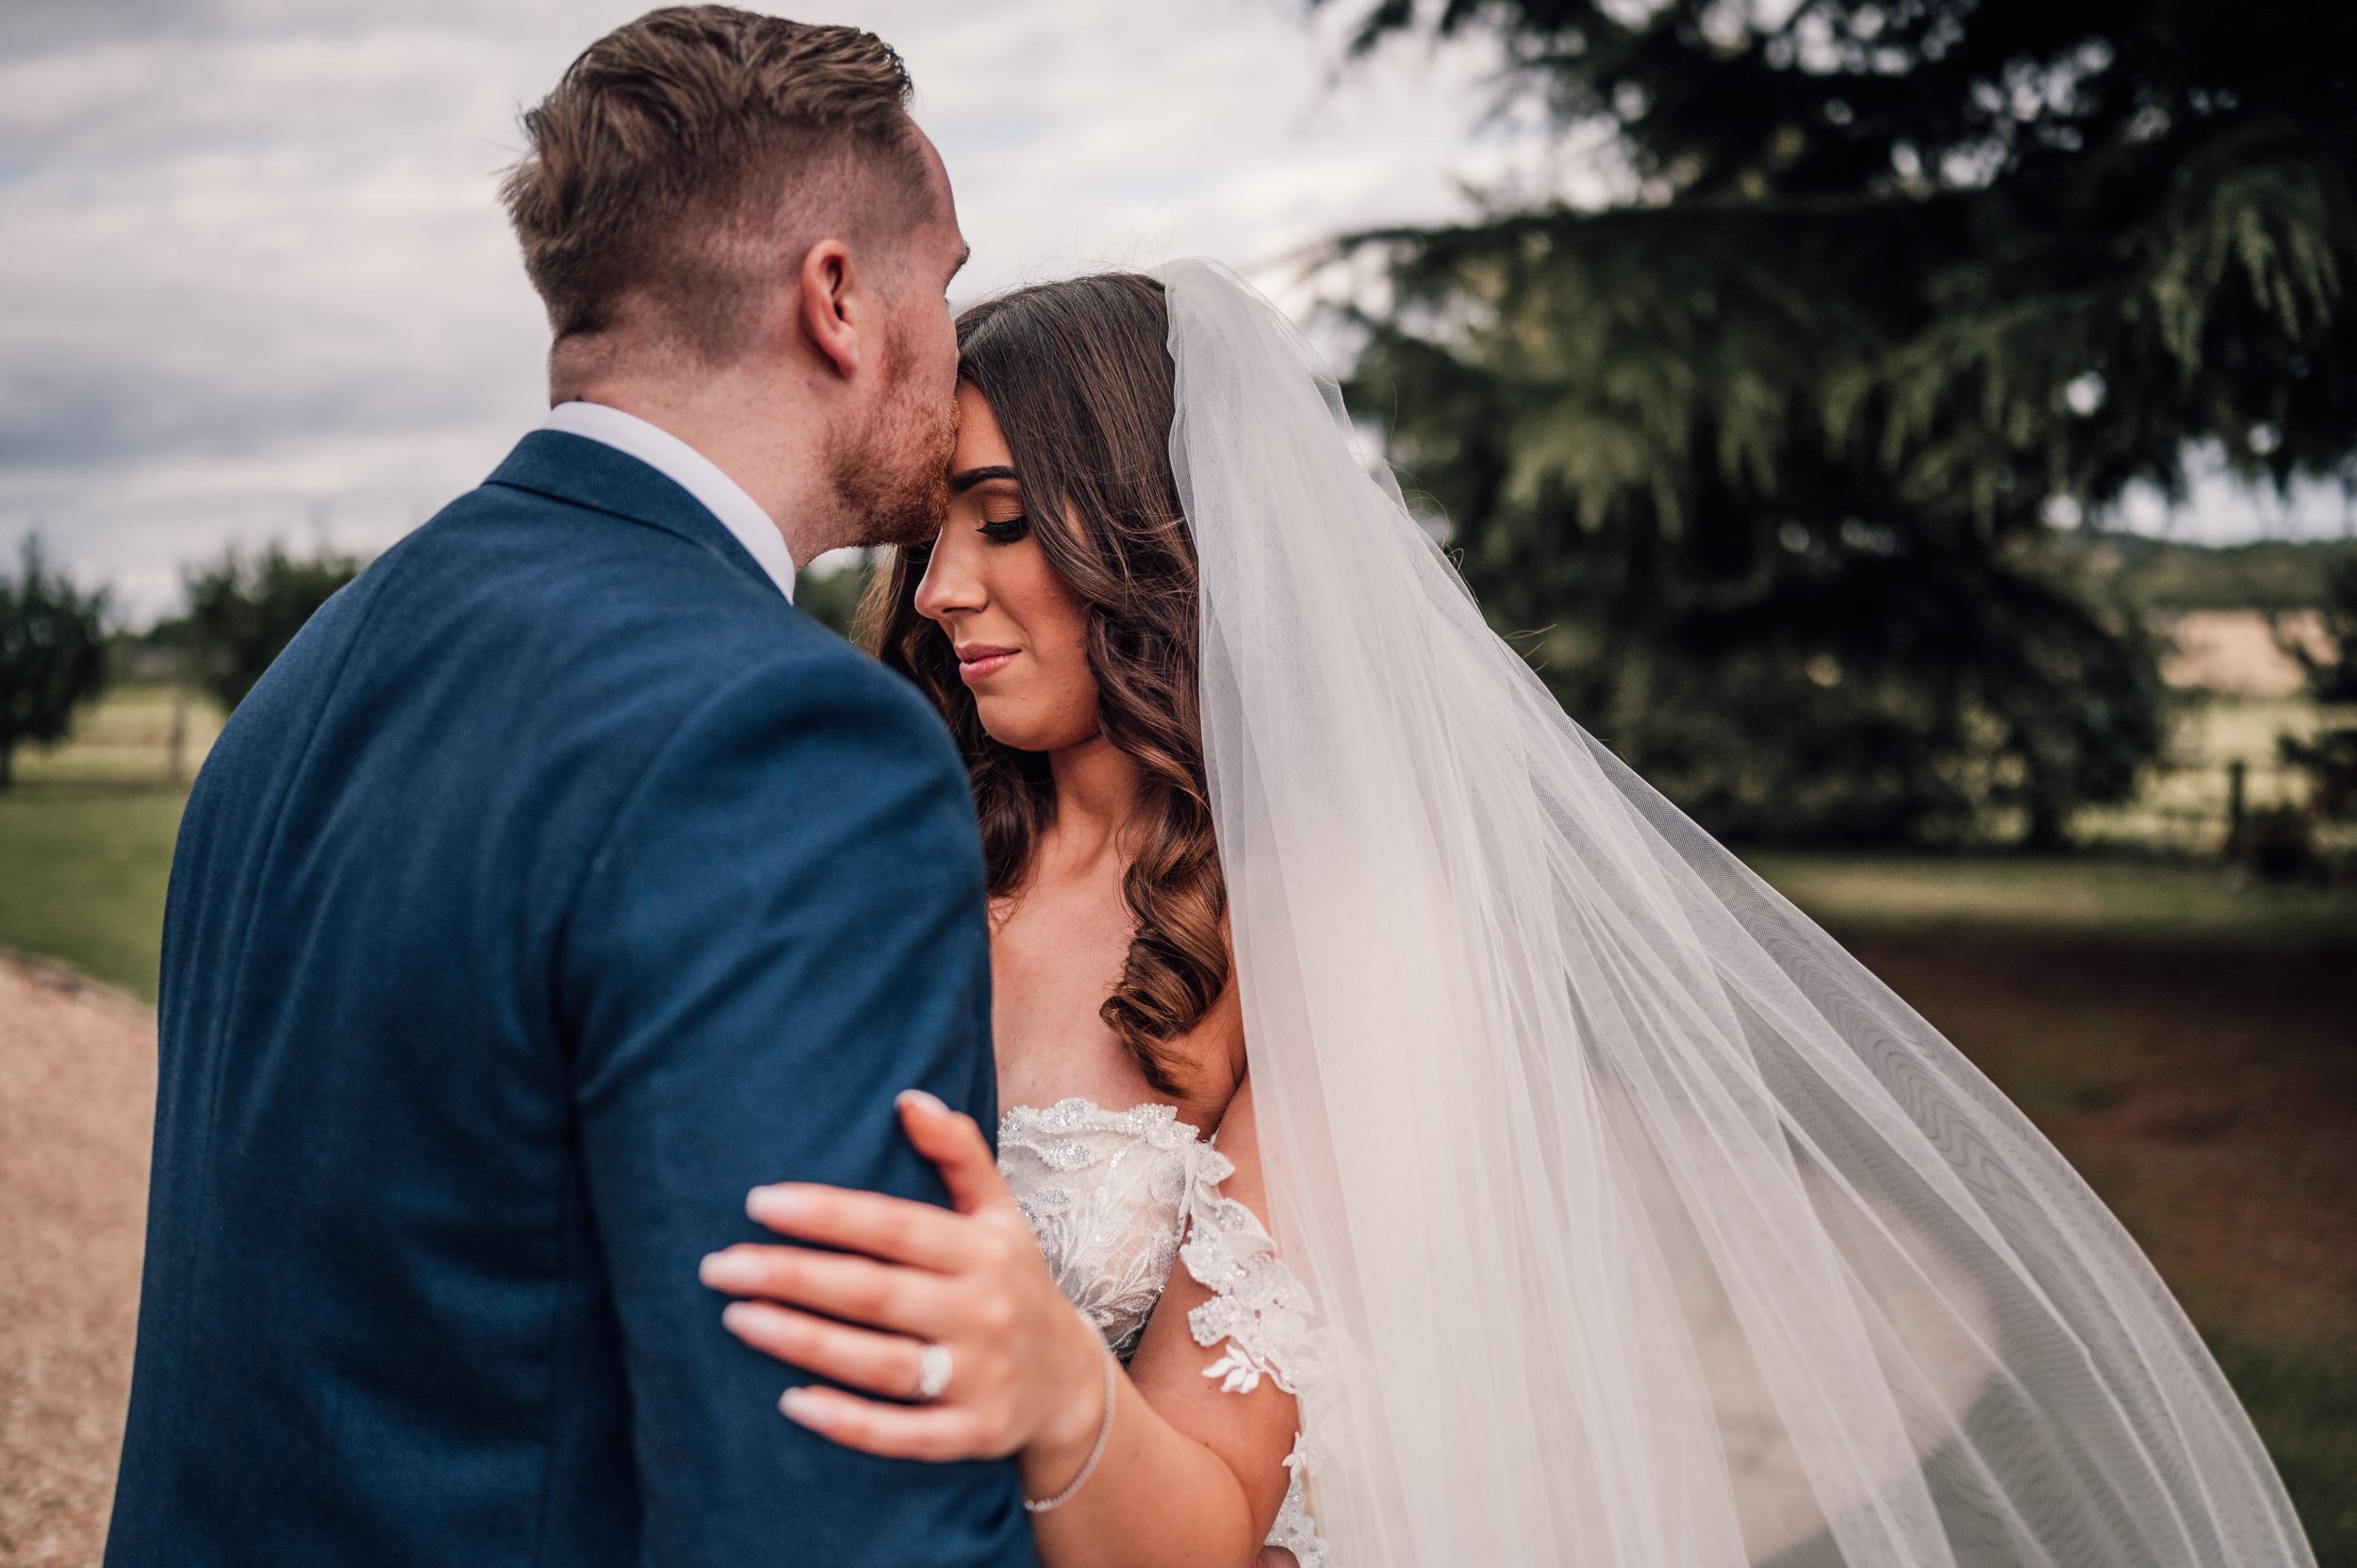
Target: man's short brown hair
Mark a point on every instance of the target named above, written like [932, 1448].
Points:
[683, 152]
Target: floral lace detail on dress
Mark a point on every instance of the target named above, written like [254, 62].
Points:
[1294, 1530]
[1257, 1305]
[1112, 1197]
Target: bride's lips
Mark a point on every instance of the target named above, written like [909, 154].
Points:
[980, 661]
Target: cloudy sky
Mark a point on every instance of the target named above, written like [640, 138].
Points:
[254, 283]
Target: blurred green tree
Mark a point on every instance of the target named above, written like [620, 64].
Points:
[832, 597]
[1770, 448]
[242, 614]
[53, 655]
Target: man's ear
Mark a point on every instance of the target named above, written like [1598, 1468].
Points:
[828, 314]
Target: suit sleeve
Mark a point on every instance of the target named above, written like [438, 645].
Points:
[782, 928]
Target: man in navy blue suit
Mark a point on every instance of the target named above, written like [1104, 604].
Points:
[562, 882]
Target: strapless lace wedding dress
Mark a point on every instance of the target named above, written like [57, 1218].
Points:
[1116, 1198]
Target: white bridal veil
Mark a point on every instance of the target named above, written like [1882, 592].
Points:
[1645, 1227]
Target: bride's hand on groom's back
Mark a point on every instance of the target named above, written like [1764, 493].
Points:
[1024, 1366]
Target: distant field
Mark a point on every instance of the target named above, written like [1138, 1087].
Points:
[2182, 805]
[2240, 652]
[2167, 574]
[123, 740]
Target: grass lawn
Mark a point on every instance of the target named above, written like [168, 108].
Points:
[86, 837]
[2130, 900]
[82, 875]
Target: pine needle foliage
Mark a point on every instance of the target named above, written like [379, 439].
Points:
[1766, 454]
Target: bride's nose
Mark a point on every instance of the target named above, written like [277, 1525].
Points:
[950, 585]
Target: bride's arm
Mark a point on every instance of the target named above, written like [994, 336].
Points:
[1192, 1473]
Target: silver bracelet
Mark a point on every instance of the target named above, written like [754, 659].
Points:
[1104, 1436]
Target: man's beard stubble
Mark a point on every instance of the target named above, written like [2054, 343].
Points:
[892, 478]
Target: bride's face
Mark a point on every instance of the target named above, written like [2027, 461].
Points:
[1019, 632]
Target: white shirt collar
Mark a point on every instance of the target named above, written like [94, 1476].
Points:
[692, 472]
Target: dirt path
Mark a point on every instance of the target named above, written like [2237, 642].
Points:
[78, 1062]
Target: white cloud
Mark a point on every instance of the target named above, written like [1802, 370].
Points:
[256, 272]
[2220, 508]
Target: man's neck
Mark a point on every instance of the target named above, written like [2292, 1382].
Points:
[749, 433]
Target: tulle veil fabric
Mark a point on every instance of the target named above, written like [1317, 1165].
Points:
[1641, 1226]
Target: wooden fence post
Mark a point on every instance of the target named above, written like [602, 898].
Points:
[2235, 816]
[179, 740]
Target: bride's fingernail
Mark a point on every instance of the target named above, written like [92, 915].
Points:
[728, 1271]
[775, 1205]
[799, 1405]
[918, 1096]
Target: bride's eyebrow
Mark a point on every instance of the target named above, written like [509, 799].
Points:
[963, 482]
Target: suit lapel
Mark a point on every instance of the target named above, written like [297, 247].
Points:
[582, 473]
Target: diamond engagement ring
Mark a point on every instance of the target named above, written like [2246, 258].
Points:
[933, 1371]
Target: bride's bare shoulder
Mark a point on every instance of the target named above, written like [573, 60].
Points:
[1239, 1139]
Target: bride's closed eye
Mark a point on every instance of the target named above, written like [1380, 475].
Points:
[1006, 530]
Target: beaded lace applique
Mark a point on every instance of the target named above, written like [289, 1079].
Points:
[1105, 1192]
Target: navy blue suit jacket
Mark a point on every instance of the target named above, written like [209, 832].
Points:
[559, 884]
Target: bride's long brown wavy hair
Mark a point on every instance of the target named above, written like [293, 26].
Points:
[1080, 378]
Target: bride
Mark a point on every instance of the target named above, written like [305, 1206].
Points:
[1619, 1219]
